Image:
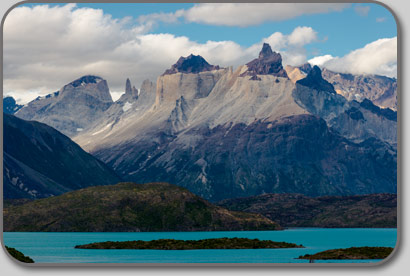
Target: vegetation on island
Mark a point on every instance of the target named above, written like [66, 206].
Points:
[352, 253]
[125, 207]
[171, 244]
[18, 255]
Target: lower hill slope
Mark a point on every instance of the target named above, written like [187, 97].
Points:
[129, 207]
[296, 210]
[39, 161]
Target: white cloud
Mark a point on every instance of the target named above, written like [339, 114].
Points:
[247, 14]
[47, 47]
[362, 10]
[115, 95]
[320, 60]
[381, 19]
[378, 57]
[23, 98]
[302, 36]
[147, 22]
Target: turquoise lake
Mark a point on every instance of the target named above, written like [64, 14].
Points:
[59, 247]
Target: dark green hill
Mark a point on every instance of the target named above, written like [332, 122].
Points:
[296, 210]
[129, 207]
[39, 161]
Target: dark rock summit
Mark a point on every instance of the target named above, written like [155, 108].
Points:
[10, 106]
[268, 63]
[266, 51]
[315, 81]
[191, 64]
[85, 80]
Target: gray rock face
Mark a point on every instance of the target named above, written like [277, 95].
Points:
[171, 87]
[294, 154]
[382, 91]
[40, 162]
[353, 120]
[119, 116]
[74, 108]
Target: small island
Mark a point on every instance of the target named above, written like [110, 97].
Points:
[171, 244]
[352, 253]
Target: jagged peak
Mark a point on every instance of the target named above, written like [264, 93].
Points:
[315, 81]
[127, 85]
[130, 90]
[266, 51]
[191, 64]
[85, 80]
[268, 63]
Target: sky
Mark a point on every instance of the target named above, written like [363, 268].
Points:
[48, 46]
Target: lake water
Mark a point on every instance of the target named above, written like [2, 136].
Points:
[59, 247]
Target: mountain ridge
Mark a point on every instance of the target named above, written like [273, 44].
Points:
[297, 210]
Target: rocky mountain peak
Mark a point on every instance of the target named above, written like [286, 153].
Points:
[315, 81]
[191, 64]
[130, 91]
[76, 106]
[94, 86]
[266, 51]
[268, 63]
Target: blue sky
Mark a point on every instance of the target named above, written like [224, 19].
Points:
[343, 31]
[49, 45]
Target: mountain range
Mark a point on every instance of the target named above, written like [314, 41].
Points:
[224, 133]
